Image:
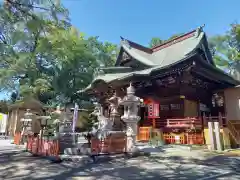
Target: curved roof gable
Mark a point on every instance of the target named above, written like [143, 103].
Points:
[167, 53]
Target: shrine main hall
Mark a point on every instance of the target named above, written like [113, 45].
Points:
[181, 87]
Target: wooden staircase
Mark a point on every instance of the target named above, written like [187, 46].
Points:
[234, 130]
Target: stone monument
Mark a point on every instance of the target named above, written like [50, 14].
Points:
[104, 124]
[65, 131]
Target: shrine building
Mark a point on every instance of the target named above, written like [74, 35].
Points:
[181, 87]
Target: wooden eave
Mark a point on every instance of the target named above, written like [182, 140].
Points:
[212, 73]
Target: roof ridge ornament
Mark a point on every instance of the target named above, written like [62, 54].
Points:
[125, 42]
[199, 30]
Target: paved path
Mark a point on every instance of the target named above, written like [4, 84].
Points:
[186, 165]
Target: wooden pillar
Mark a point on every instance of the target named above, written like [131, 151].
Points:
[220, 119]
[211, 135]
[154, 123]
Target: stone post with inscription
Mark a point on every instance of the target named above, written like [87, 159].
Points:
[65, 131]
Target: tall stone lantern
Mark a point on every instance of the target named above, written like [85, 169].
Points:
[27, 124]
[131, 105]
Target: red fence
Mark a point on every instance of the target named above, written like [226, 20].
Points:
[43, 147]
[17, 138]
[184, 138]
[110, 145]
[171, 138]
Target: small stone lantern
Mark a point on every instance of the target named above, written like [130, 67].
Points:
[131, 105]
[114, 114]
[43, 120]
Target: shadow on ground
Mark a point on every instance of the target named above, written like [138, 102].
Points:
[21, 166]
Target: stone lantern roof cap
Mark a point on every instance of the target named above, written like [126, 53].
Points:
[130, 97]
[130, 89]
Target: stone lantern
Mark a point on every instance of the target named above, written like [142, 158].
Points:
[65, 125]
[27, 124]
[114, 114]
[131, 105]
[43, 121]
[66, 136]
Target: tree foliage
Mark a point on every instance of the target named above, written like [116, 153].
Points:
[3, 107]
[155, 41]
[43, 56]
[226, 50]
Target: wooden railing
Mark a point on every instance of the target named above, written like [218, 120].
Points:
[234, 132]
[221, 119]
[184, 123]
[175, 123]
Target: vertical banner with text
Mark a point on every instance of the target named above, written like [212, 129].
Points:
[75, 117]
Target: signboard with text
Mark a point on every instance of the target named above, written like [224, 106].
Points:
[153, 110]
[3, 122]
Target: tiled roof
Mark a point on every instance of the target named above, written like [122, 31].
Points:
[168, 52]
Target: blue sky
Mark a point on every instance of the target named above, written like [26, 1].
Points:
[140, 20]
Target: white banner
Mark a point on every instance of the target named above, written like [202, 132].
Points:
[3, 122]
[75, 117]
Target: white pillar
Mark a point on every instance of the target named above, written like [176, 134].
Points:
[211, 136]
[218, 136]
[15, 122]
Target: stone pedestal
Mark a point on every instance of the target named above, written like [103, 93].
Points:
[131, 136]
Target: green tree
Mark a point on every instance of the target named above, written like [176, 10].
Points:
[68, 63]
[226, 50]
[3, 106]
[45, 57]
[175, 36]
[155, 41]
[105, 53]
[22, 24]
